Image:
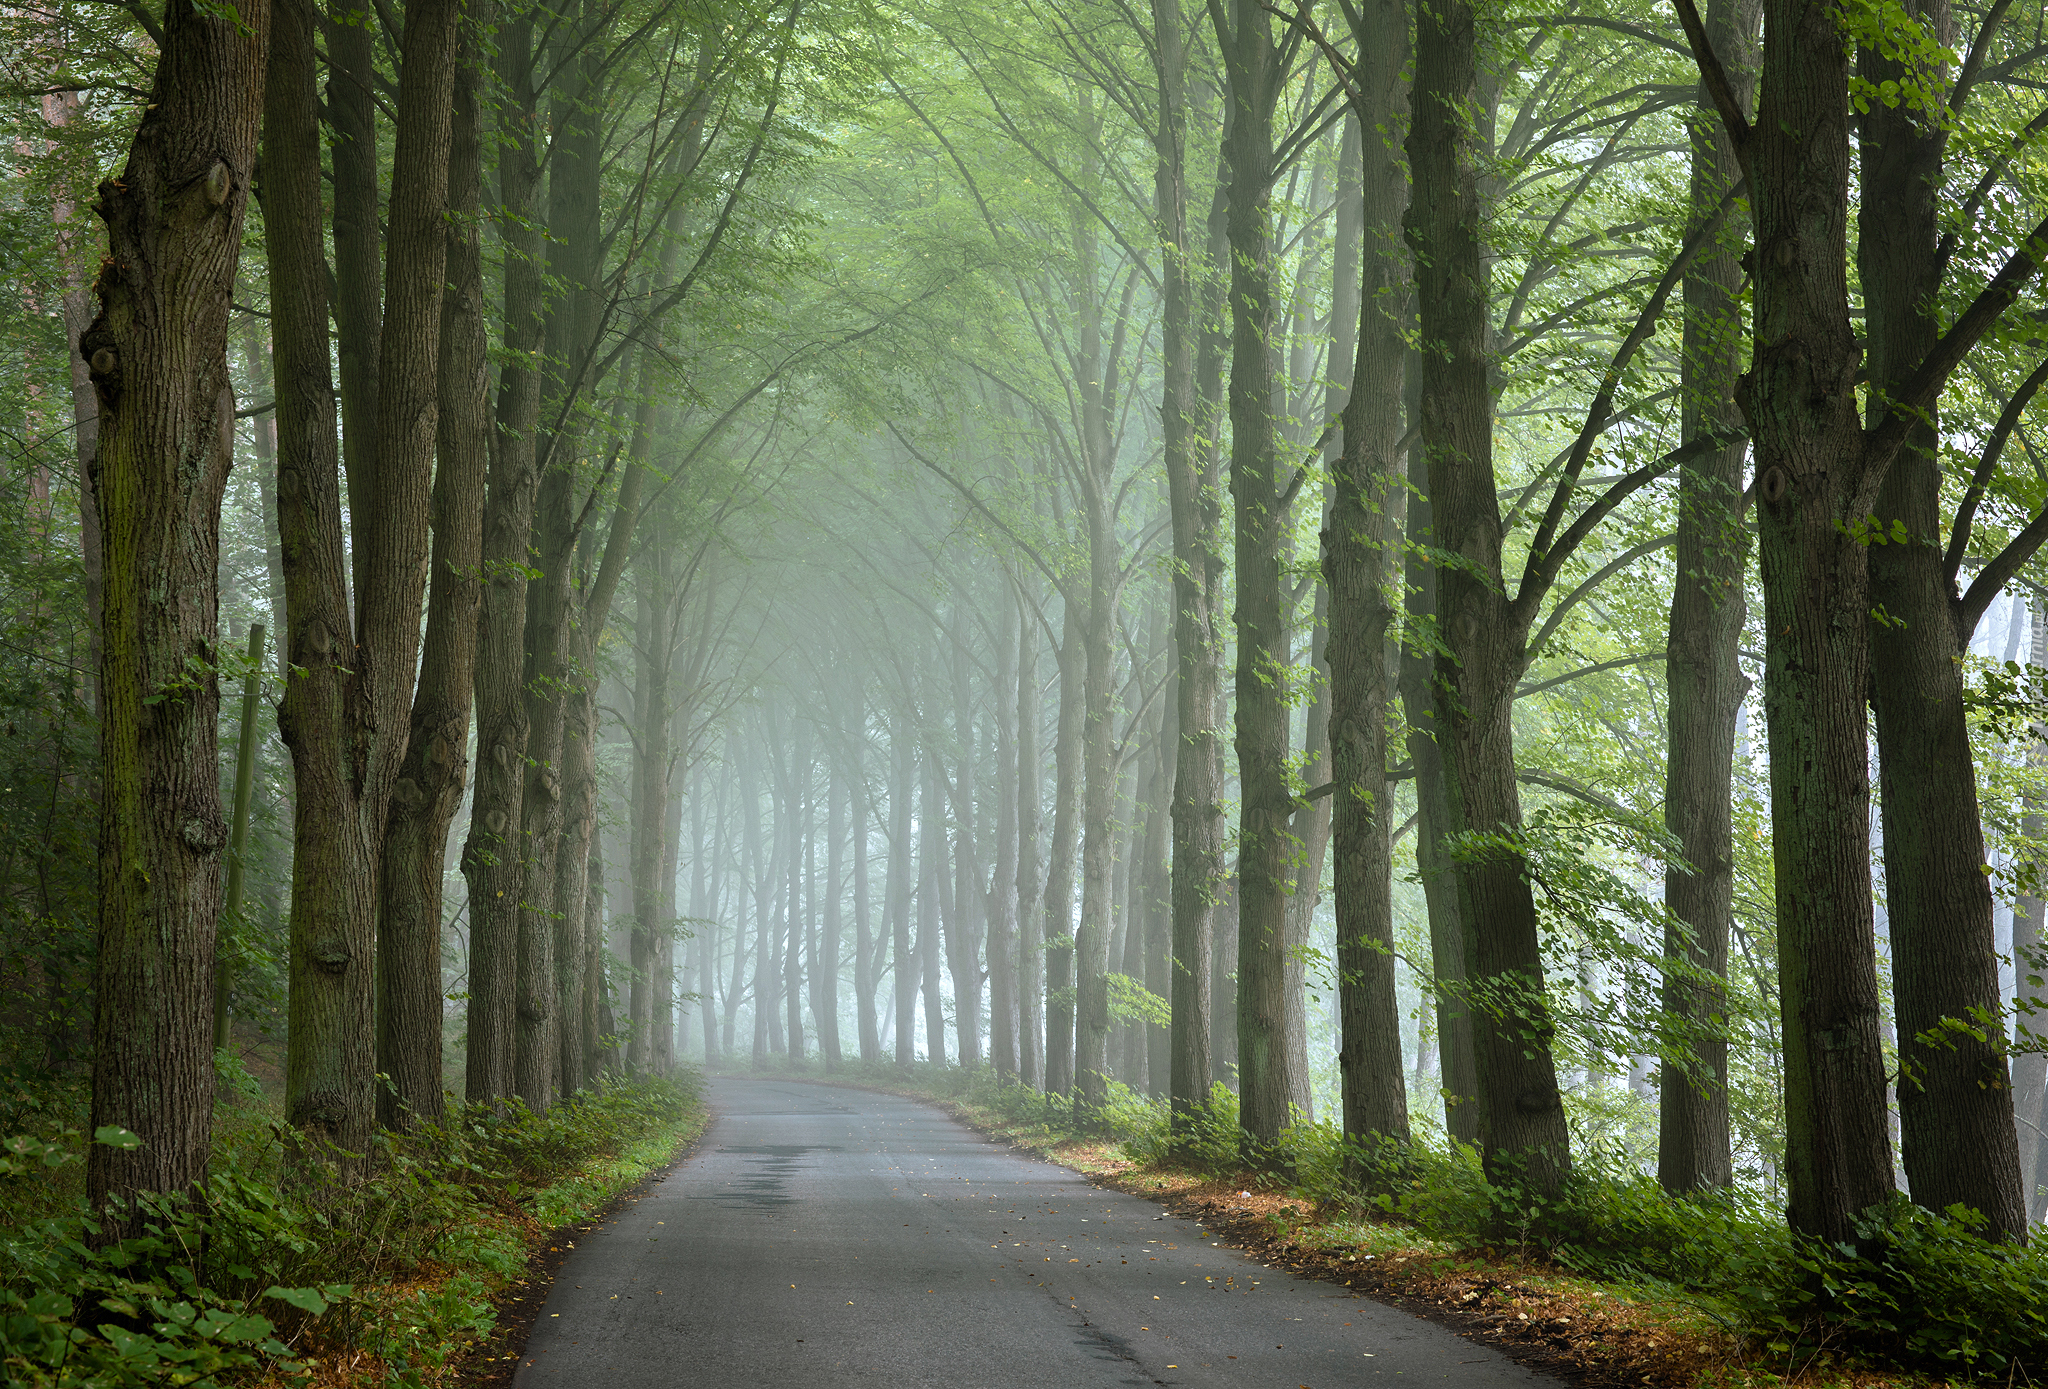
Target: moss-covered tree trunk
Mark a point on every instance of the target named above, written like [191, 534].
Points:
[157, 353]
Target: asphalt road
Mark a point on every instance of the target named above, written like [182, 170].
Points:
[822, 1237]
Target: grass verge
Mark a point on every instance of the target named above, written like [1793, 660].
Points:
[278, 1275]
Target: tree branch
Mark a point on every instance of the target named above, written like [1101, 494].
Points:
[1715, 78]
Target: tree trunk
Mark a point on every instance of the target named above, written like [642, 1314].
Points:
[1702, 669]
[575, 254]
[329, 1033]
[1030, 926]
[1359, 559]
[902, 884]
[797, 800]
[493, 858]
[1800, 399]
[664, 1039]
[1194, 500]
[158, 356]
[825, 964]
[1480, 656]
[428, 791]
[650, 789]
[1953, 1116]
[966, 928]
[351, 114]
[1059, 879]
[866, 952]
[2030, 1004]
[1002, 894]
[1262, 684]
[931, 864]
[1458, 1083]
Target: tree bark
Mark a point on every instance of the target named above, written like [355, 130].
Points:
[1800, 399]
[931, 865]
[329, 1030]
[966, 930]
[1194, 502]
[825, 963]
[1263, 681]
[351, 114]
[493, 858]
[453, 356]
[1480, 653]
[1059, 878]
[902, 882]
[1360, 557]
[157, 352]
[1030, 925]
[1702, 669]
[1002, 894]
[1954, 1109]
[866, 950]
[574, 259]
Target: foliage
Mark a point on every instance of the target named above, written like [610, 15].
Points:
[262, 1265]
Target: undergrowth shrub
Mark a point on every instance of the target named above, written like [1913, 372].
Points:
[261, 1265]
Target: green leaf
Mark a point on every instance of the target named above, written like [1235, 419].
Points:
[114, 1136]
[305, 1299]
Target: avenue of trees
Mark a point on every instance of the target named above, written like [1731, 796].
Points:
[1468, 571]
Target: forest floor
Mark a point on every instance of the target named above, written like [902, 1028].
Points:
[1601, 1335]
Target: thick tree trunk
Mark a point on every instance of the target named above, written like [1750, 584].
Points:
[428, 790]
[158, 357]
[1953, 1117]
[1800, 399]
[574, 256]
[1194, 500]
[1702, 670]
[1480, 656]
[1262, 681]
[1457, 1083]
[493, 858]
[328, 1039]
[1360, 557]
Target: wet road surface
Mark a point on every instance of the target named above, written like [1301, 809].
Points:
[821, 1237]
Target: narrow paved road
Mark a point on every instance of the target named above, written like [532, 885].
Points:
[823, 1237]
